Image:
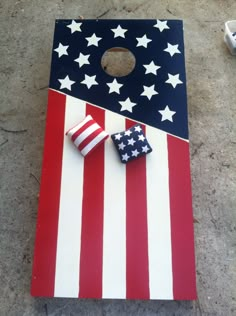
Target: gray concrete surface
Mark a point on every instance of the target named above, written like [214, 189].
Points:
[26, 30]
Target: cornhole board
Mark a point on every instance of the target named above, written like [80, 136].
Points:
[107, 229]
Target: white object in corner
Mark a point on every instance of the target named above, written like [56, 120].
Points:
[230, 36]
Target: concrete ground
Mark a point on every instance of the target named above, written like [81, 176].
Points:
[26, 30]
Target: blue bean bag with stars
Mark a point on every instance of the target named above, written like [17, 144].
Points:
[131, 144]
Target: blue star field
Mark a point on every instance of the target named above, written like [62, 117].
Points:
[145, 111]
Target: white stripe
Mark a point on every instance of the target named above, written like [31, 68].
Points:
[69, 226]
[85, 134]
[159, 229]
[78, 126]
[93, 143]
[114, 234]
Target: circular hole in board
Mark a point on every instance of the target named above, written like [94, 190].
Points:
[118, 61]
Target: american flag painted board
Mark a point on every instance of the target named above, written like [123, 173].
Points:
[107, 229]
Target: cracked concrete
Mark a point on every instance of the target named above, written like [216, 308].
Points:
[26, 29]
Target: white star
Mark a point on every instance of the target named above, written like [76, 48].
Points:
[118, 136]
[61, 50]
[135, 153]
[131, 142]
[82, 60]
[125, 157]
[161, 25]
[173, 80]
[143, 41]
[145, 149]
[89, 81]
[141, 137]
[128, 132]
[93, 40]
[172, 49]
[121, 146]
[114, 86]
[119, 32]
[151, 68]
[149, 91]
[66, 83]
[138, 128]
[127, 105]
[167, 114]
[74, 26]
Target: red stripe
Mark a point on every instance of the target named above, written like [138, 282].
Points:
[92, 218]
[82, 129]
[88, 139]
[137, 277]
[183, 260]
[48, 212]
